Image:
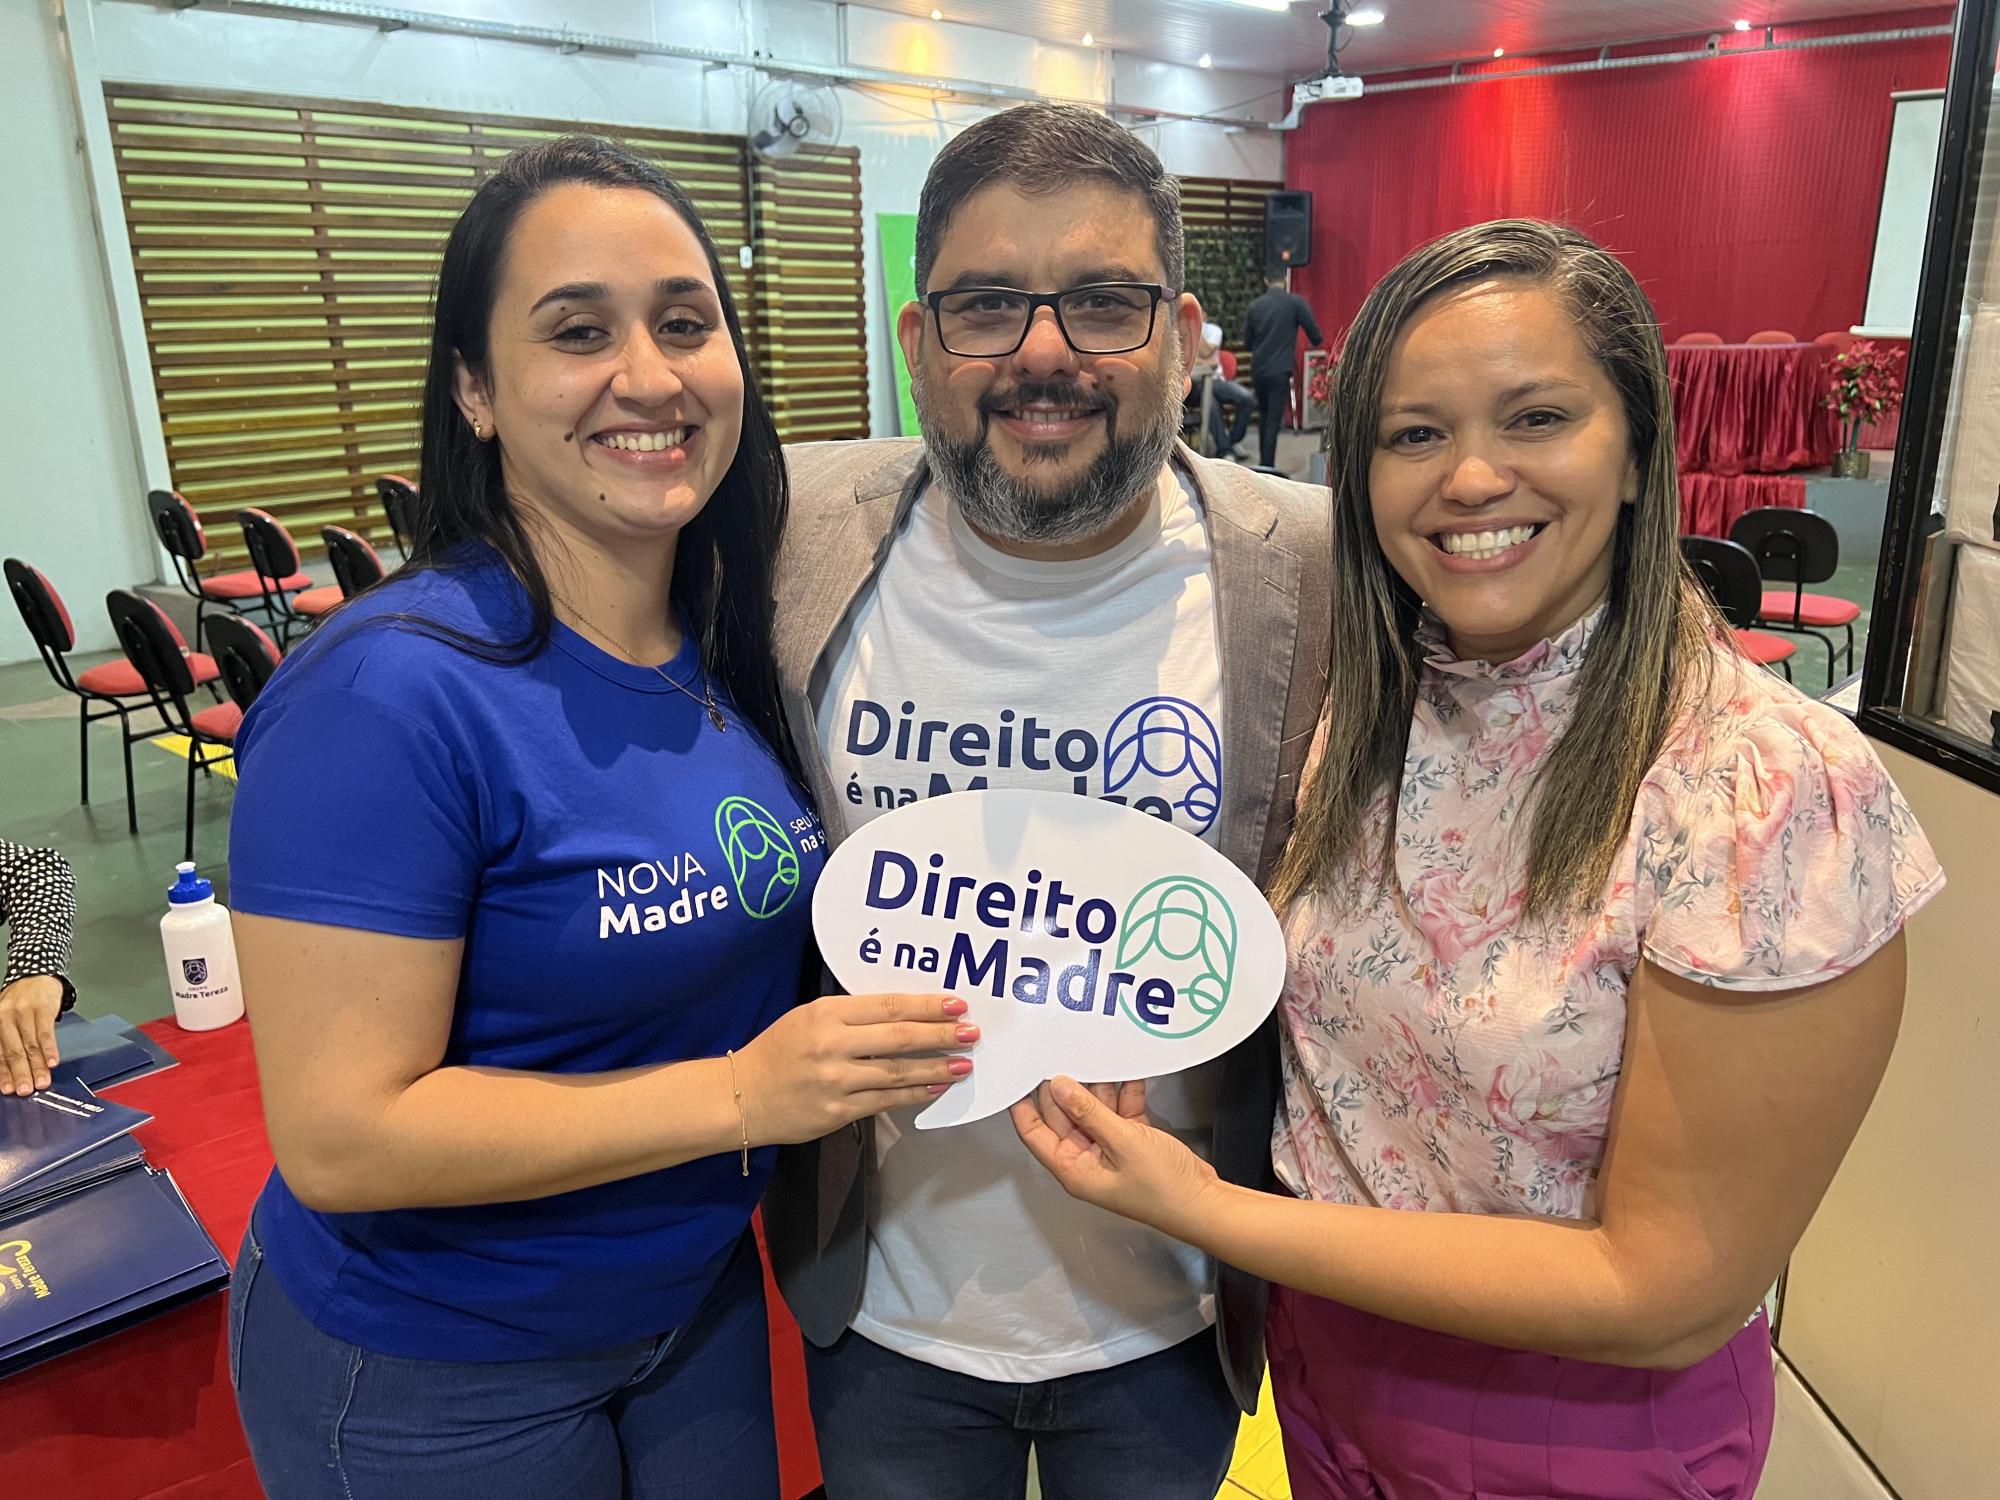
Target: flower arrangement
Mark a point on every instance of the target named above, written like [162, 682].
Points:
[1864, 385]
[1319, 388]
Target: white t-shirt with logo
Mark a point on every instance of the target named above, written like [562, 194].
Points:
[968, 667]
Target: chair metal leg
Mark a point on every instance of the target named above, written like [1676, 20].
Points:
[131, 797]
[194, 750]
[83, 748]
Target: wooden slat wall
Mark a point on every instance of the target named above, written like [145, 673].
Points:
[285, 255]
[812, 360]
[1234, 205]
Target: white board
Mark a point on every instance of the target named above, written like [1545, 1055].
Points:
[1905, 212]
[1085, 938]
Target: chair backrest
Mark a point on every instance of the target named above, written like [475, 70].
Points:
[1837, 341]
[273, 553]
[399, 504]
[179, 527]
[1730, 575]
[356, 565]
[244, 655]
[1772, 336]
[1699, 338]
[151, 644]
[41, 607]
[1790, 546]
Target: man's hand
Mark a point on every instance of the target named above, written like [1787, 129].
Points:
[28, 1011]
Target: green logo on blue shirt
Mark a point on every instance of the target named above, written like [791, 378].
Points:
[762, 861]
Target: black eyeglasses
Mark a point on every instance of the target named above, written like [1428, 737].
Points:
[989, 322]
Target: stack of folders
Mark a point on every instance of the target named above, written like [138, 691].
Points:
[91, 1238]
[106, 1051]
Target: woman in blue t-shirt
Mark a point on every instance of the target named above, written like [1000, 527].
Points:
[522, 879]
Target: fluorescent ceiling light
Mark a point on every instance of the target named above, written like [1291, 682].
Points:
[1205, 61]
[1277, 5]
[1089, 40]
[1368, 15]
[1742, 25]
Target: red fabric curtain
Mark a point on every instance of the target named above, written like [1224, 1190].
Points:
[1742, 190]
[1754, 410]
[1711, 503]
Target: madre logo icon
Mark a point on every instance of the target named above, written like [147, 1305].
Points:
[1087, 938]
[1176, 744]
[1187, 921]
[763, 864]
[195, 970]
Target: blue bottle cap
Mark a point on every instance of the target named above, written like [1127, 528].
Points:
[190, 887]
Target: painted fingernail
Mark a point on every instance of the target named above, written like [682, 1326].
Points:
[959, 1065]
[967, 1033]
[954, 1007]
[937, 1088]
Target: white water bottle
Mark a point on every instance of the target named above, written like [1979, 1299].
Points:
[201, 954]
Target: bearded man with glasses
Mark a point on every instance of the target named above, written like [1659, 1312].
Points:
[1047, 590]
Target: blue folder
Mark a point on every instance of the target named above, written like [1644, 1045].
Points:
[41, 1132]
[97, 1259]
[105, 1051]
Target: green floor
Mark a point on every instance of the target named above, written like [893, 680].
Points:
[121, 879]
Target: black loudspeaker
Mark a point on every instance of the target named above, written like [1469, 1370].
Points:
[1288, 224]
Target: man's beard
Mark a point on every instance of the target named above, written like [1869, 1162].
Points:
[1017, 510]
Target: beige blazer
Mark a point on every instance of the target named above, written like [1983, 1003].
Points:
[1270, 545]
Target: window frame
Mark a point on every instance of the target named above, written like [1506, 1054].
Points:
[1926, 396]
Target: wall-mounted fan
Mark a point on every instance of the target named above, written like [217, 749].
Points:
[785, 116]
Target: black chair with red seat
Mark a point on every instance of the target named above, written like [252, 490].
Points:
[1729, 574]
[153, 647]
[356, 564]
[180, 532]
[274, 558]
[247, 657]
[1794, 548]
[399, 503]
[114, 687]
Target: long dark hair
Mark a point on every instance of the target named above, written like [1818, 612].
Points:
[723, 565]
[1644, 661]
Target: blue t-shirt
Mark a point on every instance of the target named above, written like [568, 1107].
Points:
[632, 888]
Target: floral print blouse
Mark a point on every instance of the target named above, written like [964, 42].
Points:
[1441, 1054]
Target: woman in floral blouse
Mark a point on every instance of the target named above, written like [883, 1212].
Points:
[1594, 929]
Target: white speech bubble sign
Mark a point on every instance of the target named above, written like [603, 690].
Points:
[1085, 937]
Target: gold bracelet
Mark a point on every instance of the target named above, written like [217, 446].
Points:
[742, 1117]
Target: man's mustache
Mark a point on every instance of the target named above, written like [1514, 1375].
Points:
[1046, 393]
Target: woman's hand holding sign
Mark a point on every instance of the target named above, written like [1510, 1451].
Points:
[845, 1057]
[1111, 1157]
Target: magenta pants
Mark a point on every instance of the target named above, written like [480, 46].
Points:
[1377, 1410]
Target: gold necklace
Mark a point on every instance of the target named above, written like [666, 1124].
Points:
[707, 696]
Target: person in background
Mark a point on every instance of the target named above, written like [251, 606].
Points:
[1047, 567]
[522, 880]
[1595, 933]
[1271, 328]
[1225, 433]
[38, 907]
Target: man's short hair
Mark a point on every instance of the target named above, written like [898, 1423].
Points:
[1044, 148]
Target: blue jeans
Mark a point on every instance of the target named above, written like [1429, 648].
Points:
[1228, 434]
[682, 1415]
[893, 1428]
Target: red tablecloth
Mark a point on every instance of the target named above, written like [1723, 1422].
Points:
[1751, 408]
[1711, 503]
[148, 1414]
